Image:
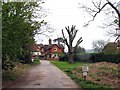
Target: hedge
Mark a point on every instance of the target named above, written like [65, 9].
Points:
[95, 57]
[98, 57]
[63, 58]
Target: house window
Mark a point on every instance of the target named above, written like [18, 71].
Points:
[55, 49]
[42, 50]
[55, 56]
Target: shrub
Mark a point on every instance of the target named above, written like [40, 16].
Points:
[85, 57]
[63, 57]
[101, 57]
[98, 57]
[40, 57]
[8, 65]
[37, 61]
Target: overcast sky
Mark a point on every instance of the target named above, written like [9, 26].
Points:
[64, 13]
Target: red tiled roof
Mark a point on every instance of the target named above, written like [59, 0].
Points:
[35, 48]
[47, 47]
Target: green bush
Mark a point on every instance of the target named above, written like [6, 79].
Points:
[98, 57]
[101, 57]
[36, 61]
[40, 57]
[63, 57]
[84, 57]
[8, 65]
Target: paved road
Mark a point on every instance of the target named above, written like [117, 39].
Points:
[45, 75]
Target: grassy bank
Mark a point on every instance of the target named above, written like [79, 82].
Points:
[18, 71]
[67, 67]
[101, 75]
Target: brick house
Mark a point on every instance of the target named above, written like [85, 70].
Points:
[49, 51]
[36, 51]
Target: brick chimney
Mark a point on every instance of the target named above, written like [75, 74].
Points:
[50, 41]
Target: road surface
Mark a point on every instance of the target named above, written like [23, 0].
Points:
[45, 75]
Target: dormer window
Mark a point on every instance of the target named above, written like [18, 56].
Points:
[55, 49]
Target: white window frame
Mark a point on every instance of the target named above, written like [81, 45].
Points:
[55, 49]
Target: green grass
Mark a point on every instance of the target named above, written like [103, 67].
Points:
[65, 66]
[36, 61]
[68, 68]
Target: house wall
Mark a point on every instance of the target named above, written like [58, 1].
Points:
[54, 56]
[51, 54]
[36, 53]
[58, 49]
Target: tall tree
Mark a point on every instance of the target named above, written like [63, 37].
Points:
[72, 32]
[18, 29]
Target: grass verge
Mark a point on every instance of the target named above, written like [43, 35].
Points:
[69, 70]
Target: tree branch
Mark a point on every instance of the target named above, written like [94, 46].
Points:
[66, 42]
[115, 10]
[74, 35]
[78, 42]
[94, 16]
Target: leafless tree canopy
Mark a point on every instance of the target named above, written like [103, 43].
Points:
[110, 8]
[99, 6]
[98, 45]
[72, 32]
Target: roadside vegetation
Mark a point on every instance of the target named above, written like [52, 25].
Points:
[101, 74]
[8, 76]
[18, 30]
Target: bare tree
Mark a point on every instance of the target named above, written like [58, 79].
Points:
[98, 45]
[43, 27]
[71, 35]
[100, 6]
[60, 39]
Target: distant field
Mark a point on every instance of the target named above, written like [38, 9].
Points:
[101, 75]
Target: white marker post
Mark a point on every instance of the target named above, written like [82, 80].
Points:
[85, 70]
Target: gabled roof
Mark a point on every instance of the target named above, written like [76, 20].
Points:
[38, 47]
[35, 48]
[61, 46]
[110, 48]
[47, 47]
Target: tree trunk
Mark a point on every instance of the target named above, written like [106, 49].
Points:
[71, 58]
